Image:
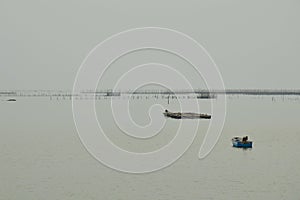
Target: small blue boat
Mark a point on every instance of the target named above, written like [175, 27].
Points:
[241, 142]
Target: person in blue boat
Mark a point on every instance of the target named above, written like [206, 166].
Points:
[245, 139]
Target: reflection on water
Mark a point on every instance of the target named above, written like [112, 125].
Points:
[42, 157]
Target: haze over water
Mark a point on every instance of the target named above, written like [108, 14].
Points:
[42, 157]
[254, 44]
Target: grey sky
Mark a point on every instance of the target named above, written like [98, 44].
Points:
[254, 43]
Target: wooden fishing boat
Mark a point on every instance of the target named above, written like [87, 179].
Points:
[179, 115]
[241, 142]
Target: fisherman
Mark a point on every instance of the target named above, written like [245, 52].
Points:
[245, 139]
[166, 111]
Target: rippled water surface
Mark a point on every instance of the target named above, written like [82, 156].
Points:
[42, 157]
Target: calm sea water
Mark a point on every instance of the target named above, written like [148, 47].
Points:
[42, 157]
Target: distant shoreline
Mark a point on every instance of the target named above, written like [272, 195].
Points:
[109, 92]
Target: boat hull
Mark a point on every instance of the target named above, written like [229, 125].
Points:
[240, 144]
[186, 115]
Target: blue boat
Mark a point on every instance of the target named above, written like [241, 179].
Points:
[241, 142]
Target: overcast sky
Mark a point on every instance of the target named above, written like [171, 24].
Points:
[255, 44]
